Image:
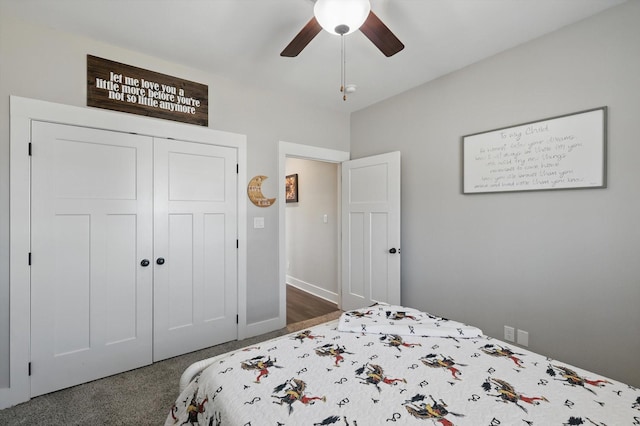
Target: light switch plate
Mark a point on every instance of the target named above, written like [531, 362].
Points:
[258, 222]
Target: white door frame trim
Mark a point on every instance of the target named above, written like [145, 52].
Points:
[22, 112]
[307, 152]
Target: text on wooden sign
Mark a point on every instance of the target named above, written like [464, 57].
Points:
[125, 88]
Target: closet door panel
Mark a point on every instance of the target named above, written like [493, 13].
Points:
[121, 277]
[91, 225]
[71, 310]
[180, 280]
[195, 285]
[214, 267]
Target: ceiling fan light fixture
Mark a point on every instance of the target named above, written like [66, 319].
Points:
[341, 17]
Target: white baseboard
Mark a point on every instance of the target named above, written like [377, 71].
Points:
[262, 327]
[313, 289]
[272, 324]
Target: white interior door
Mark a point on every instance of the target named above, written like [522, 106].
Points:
[195, 283]
[371, 231]
[91, 225]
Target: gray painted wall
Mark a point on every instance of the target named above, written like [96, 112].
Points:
[36, 62]
[312, 245]
[562, 265]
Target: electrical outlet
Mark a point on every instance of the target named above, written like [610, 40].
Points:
[523, 338]
[509, 334]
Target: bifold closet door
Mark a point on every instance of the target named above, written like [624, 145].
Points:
[91, 219]
[195, 246]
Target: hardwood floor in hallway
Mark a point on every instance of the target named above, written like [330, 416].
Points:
[302, 306]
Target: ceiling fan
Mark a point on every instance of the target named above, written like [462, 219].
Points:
[343, 17]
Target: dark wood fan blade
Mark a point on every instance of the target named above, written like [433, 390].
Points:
[380, 35]
[303, 38]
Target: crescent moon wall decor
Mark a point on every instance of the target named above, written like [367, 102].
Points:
[254, 191]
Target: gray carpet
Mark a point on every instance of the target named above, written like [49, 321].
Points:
[138, 397]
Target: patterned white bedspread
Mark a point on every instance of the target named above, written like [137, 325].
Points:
[323, 376]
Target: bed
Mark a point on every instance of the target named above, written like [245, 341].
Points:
[395, 365]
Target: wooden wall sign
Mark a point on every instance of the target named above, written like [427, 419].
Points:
[119, 87]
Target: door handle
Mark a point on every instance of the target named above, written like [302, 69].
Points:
[145, 262]
[160, 261]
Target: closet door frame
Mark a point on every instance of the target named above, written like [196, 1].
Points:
[23, 112]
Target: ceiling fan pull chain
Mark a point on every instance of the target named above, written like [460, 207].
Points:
[343, 70]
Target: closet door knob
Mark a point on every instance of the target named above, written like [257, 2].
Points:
[392, 251]
[160, 261]
[145, 262]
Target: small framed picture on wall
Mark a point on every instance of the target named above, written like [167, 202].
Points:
[292, 188]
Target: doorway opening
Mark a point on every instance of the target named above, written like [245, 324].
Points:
[312, 236]
[305, 238]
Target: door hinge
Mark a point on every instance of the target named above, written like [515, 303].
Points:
[29, 258]
[237, 168]
[237, 322]
[29, 368]
[237, 244]
[29, 148]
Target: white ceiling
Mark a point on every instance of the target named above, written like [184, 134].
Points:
[242, 39]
